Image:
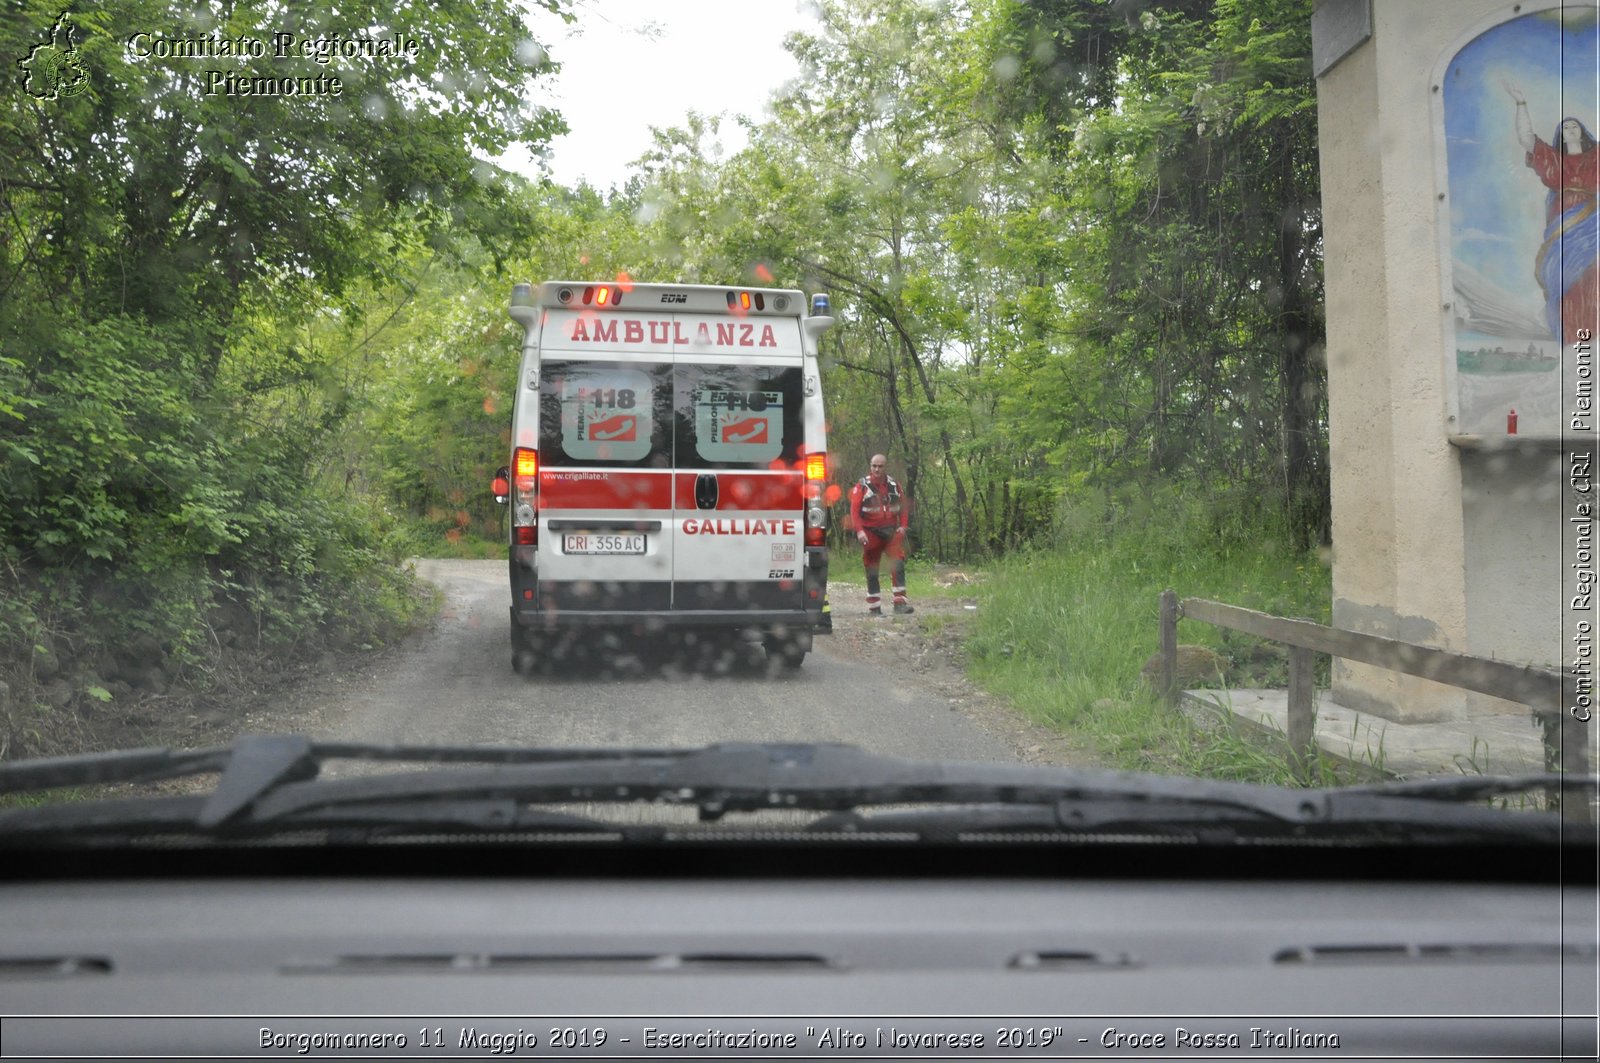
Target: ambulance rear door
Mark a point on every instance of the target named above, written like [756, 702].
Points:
[605, 475]
[739, 485]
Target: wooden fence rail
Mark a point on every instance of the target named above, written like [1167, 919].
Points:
[1544, 690]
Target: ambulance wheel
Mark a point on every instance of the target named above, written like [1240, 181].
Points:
[524, 650]
[788, 652]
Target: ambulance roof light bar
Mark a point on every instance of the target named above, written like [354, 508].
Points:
[595, 295]
[672, 298]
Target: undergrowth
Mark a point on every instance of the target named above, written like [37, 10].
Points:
[1064, 631]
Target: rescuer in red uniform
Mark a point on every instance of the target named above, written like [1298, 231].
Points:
[879, 511]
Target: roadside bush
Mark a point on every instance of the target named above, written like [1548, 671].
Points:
[152, 531]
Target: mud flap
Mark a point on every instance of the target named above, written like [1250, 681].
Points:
[816, 587]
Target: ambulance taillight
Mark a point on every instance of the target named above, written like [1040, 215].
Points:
[525, 488]
[816, 512]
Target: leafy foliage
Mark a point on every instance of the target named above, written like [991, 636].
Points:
[185, 282]
[1073, 247]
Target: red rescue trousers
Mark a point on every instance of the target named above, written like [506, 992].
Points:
[890, 540]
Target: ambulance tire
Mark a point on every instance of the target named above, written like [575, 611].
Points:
[787, 651]
[524, 650]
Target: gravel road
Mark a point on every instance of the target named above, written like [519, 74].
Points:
[891, 685]
[456, 685]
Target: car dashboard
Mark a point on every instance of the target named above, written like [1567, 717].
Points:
[788, 951]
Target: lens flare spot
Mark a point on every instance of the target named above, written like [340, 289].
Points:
[531, 52]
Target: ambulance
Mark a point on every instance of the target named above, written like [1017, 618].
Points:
[668, 467]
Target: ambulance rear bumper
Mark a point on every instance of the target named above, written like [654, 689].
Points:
[652, 620]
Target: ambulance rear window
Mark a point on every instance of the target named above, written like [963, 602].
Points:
[615, 414]
[738, 416]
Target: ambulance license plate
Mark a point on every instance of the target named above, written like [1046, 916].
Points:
[600, 543]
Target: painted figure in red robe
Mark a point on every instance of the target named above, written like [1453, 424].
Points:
[1568, 263]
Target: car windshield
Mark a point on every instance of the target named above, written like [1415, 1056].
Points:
[651, 414]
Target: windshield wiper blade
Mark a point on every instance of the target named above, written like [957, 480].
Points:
[746, 777]
[1474, 787]
[1363, 820]
[122, 819]
[251, 767]
[154, 764]
[256, 764]
[274, 780]
[121, 766]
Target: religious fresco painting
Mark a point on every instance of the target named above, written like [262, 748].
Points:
[1521, 103]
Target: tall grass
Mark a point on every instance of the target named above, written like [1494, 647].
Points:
[1064, 631]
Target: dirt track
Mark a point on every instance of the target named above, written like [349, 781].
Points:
[891, 685]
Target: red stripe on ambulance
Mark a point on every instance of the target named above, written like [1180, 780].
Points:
[567, 489]
[748, 491]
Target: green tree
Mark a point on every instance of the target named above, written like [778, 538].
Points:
[185, 283]
[157, 193]
[1186, 136]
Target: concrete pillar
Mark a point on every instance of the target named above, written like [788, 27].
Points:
[1447, 529]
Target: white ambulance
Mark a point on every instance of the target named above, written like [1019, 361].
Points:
[668, 466]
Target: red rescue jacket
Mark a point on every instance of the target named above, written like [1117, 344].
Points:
[879, 505]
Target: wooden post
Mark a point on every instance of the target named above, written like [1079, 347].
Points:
[1302, 711]
[1575, 763]
[1548, 719]
[1564, 752]
[1169, 648]
[1566, 749]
